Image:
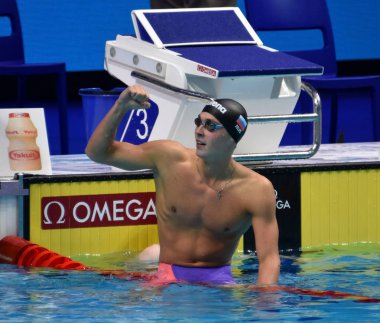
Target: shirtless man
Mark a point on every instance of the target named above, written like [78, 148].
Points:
[205, 201]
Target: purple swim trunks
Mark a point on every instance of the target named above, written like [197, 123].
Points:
[211, 275]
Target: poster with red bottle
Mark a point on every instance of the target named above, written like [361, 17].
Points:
[24, 146]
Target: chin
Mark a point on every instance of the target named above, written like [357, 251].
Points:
[200, 153]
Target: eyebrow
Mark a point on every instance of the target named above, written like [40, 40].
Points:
[208, 119]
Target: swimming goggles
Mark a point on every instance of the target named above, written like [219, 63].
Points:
[208, 124]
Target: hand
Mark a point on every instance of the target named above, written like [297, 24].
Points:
[134, 97]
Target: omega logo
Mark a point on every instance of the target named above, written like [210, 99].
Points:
[281, 204]
[98, 210]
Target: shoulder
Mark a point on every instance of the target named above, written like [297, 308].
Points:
[167, 149]
[256, 190]
[167, 152]
[254, 180]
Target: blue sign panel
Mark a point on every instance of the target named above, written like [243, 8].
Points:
[137, 125]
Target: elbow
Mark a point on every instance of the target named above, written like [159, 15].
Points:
[89, 152]
[93, 154]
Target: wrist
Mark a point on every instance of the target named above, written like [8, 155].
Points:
[122, 106]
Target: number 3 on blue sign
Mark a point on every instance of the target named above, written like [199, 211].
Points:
[137, 125]
[143, 123]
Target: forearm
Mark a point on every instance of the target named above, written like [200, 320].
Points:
[269, 270]
[100, 144]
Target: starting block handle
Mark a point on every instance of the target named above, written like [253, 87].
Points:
[314, 117]
[173, 88]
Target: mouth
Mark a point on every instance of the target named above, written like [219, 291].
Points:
[200, 143]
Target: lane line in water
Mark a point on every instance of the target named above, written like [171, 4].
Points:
[21, 252]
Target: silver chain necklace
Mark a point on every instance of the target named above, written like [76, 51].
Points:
[219, 192]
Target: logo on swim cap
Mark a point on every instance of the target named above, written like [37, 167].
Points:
[217, 105]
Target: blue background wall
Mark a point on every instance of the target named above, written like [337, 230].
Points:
[75, 31]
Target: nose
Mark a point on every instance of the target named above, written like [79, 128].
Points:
[199, 131]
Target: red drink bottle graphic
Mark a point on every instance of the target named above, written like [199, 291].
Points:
[23, 152]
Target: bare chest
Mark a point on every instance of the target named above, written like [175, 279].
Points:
[188, 204]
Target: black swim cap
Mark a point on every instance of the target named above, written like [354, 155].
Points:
[231, 115]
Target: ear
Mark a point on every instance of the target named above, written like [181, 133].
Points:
[230, 142]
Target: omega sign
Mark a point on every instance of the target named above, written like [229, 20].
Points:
[86, 211]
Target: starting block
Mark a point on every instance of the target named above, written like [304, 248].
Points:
[187, 56]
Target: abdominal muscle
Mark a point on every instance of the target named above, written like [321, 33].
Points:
[194, 251]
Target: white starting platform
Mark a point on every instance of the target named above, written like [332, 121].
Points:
[186, 56]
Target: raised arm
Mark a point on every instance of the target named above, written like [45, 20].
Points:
[265, 227]
[102, 146]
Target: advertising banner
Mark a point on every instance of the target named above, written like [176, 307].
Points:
[24, 144]
[93, 217]
[288, 211]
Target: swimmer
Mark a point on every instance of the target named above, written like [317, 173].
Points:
[205, 200]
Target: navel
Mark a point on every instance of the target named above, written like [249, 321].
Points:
[173, 209]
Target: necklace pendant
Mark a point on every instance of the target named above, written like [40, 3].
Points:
[219, 194]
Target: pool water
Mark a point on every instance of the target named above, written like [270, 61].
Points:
[47, 295]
